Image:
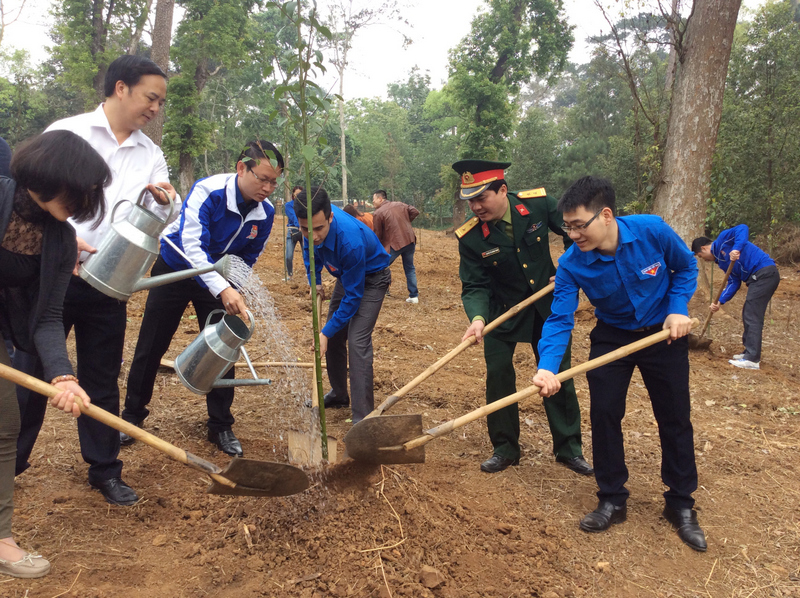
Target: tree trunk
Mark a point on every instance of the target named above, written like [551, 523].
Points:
[98, 44]
[162, 38]
[133, 47]
[186, 173]
[459, 211]
[694, 117]
[343, 144]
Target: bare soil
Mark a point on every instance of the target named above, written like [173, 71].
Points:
[380, 530]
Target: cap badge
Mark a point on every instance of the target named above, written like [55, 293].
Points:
[467, 178]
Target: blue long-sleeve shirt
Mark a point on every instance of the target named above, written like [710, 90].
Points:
[652, 274]
[291, 217]
[349, 252]
[751, 259]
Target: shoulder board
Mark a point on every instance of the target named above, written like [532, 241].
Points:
[540, 192]
[466, 227]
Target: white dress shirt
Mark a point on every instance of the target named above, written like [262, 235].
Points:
[134, 164]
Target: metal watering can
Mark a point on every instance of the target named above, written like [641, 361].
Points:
[129, 249]
[212, 353]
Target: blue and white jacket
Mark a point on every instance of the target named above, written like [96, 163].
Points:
[751, 259]
[211, 226]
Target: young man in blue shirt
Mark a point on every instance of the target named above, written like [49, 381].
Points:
[753, 267]
[640, 276]
[224, 214]
[355, 257]
[293, 236]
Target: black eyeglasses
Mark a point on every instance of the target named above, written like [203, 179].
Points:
[264, 181]
[568, 229]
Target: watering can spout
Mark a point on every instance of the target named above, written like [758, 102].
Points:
[221, 267]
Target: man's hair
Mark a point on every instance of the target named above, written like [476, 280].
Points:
[59, 164]
[699, 243]
[129, 69]
[380, 193]
[258, 150]
[352, 210]
[319, 202]
[295, 188]
[495, 185]
[589, 192]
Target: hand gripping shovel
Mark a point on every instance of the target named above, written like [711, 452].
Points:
[242, 477]
[388, 439]
[698, 342]
[395, 398]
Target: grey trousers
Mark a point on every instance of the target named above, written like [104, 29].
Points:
[760, 288]
[9, 430]
[358, 334]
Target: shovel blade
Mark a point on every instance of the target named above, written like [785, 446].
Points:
[699, 343]
[369, 440]
[260, 478]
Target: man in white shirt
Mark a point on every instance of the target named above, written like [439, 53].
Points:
[135, 90]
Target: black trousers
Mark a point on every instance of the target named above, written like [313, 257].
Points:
[665, 371]
[760, 288]
[99, 322]
[357, 337]
[162, 316]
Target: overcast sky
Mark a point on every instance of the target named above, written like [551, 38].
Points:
[377, 57]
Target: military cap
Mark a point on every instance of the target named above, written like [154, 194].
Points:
[476, 175]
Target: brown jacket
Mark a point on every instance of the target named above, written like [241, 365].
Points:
[392, 223]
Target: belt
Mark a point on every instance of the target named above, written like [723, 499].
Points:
[653, 328]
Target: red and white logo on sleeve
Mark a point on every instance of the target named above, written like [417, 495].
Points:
[253, 232]
[652, 269]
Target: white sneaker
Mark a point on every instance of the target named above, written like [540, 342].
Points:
[744, 364]
[412, 300]
[738, 356]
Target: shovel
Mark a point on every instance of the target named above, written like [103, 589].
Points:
[399, 438]
[698, 342]
[392, 400]
[242, 477]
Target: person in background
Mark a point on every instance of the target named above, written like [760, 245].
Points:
[354, 256]
[293, 236]
[5, 170]
[224, 214]
[505, 258]
[135, 90]
[37, 256]
[639, 275]
[391, 221]
[753, 267]
[364, 217]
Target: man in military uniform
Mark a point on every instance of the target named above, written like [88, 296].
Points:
[505, 258]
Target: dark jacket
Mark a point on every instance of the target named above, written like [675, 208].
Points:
[34, 312]
[497, 272]
[392, 223]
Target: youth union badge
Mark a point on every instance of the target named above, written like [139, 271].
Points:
[652, 270]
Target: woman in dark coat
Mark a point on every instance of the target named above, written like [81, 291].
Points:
[55, 176]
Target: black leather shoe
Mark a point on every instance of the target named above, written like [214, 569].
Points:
[332, 402]
[116, 492]
[685, 521]
[227, 442]
[603, 517]
[497, 463]
[126, 440]
[576, 464]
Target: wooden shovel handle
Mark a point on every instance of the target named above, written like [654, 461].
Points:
[392, 400]
[448, 427]
[111, 420]
[716, 298]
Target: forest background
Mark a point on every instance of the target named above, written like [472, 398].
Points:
[511, 94]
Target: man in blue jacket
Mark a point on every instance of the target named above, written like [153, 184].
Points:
[753, 267]
[225, 214]
[355, 257]
[640, 276]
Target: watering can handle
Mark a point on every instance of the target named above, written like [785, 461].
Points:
[118, 204]
[164, 191]
[252, 322]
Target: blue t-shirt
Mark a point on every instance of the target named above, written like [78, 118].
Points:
[751, 259]
[349, 252]
[652, 274]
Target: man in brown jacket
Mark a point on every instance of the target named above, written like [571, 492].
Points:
[391, 221]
